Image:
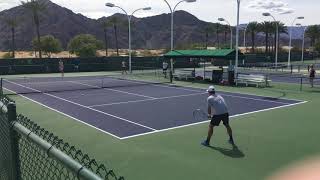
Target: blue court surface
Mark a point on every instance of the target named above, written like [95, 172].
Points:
[131, 111]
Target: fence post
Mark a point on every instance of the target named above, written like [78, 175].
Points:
[1, 86]
[12, 116]
[171, 76]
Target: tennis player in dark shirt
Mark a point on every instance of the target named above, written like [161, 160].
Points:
[312, 75]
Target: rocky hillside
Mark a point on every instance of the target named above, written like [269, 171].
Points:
[150, 32]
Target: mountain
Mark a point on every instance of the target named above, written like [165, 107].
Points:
[150, 32]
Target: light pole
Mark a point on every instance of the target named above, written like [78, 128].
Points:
[290, 39]
[303, 37]
[277, 38]
[237, 40]
[129, 27]
[224, 20]
[172, 15]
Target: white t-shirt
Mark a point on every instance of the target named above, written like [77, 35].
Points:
[217, 104]
[165, 65]
[123, 64]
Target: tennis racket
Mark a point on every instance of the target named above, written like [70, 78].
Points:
[199, 115]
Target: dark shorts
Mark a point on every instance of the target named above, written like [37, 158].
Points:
[216, 120]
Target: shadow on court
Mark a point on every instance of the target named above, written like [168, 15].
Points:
[235, 152]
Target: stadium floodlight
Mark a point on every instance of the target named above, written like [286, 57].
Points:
[266, 14]
[146, 8]
[231, 33]
[172, 10]
[277, 36]
[110, 5]
[290, 39]
[129, 27]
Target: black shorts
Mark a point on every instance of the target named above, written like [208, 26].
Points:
[215, 121]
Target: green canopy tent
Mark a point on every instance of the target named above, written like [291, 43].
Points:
[223, 56]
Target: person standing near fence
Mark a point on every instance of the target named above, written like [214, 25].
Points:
[124, 67]
[61, 68]
[312, 75]
[165, 66]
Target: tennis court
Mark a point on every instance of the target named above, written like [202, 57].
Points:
[127, 108]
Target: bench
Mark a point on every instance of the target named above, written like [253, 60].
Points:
[184, 75]
[252, 79]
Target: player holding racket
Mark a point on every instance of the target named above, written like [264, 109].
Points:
[217, 111]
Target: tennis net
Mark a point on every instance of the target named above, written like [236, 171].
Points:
[29, 85]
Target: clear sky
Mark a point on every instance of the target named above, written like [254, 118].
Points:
[207, 10]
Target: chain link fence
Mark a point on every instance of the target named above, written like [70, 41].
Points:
[30, 152]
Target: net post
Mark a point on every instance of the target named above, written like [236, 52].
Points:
[12, 117]
[301, 82]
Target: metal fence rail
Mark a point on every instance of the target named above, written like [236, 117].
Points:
[28, 151]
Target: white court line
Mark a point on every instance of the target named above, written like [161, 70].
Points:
[156, 131]
[127, 102]
[111, 115]
[193, 124]
[264, 100]
[65, 114]
[223, 94]
[125, 92]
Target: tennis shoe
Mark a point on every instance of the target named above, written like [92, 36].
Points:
[231, 142]
[205, 143]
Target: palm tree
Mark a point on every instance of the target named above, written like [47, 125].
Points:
[266, 28]
[218, 31]
[282, 30]
[226, 31]
[313, 32]
[105, 25]
[12, 23]
[208, 29]
[35, 7]
[114, 22]
[253, 28]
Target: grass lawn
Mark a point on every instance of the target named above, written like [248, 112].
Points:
[266, 141]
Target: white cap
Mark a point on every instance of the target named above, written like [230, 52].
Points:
[211, 89]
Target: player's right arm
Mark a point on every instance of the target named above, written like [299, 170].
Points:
[209, 109]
